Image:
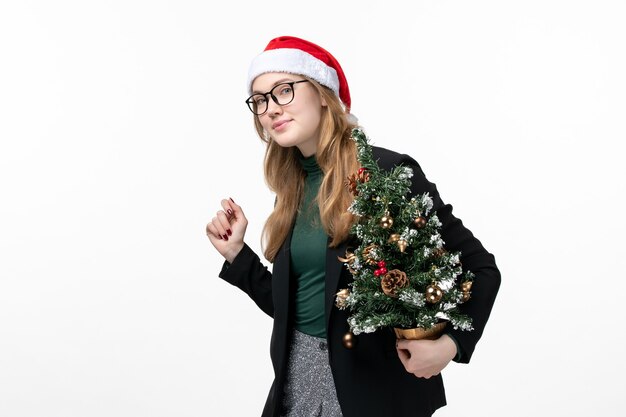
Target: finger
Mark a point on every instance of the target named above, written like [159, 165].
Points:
[404, 357]
[221, 217]
[230, 212]
[217, 224]
[402, 344]
[211, 231]
[236, 208]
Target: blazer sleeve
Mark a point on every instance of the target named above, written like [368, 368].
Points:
[474, 257]
[248, 274]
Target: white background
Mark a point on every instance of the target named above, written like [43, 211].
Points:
[122, 125]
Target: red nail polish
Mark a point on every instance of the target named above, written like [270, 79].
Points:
[225, 237]
[230, 212]
[229, 232]
[231, 199]
[219, 237]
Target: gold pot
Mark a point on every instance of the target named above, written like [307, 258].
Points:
[420, 333]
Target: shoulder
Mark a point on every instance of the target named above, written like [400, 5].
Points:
[388, 159]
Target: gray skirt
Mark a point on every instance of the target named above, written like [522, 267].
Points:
[309, 389]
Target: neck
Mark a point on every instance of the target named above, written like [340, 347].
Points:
[307, 149]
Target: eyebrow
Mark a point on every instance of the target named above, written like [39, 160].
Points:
[282, 80]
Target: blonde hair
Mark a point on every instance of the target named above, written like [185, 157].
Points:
[336, 155]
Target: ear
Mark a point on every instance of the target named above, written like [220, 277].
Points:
[324, 104]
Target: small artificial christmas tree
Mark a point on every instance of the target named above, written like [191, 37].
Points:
[403, 276]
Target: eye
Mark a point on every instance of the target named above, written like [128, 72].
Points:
[285, 90]
[259, 100]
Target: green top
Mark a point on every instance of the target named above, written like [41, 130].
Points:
[308, 256]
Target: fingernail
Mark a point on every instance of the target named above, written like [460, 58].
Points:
[229, 232]
[231, 199]
[230, 212]
[225, 237]
[219, 237]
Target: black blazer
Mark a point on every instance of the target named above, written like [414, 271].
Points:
[370, 379]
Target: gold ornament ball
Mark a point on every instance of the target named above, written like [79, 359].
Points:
[465, 297]
[433, 294]
[349, 340]
[402, 244]
[466, 286]
[420, 222]
[386, 221]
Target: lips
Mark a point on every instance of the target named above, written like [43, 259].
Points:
[279, 124]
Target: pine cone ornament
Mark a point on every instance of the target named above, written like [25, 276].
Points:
[393, 281]
[368, 254]
[351, 183]
[353, 180]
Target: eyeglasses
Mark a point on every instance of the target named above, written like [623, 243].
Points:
[282, 94]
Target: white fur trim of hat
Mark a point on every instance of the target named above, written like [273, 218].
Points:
[293, 61]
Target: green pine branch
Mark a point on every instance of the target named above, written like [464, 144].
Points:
[390, 219]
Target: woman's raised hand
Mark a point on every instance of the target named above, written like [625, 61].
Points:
[227, 229]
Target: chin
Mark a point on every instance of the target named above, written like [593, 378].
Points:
[285, 142]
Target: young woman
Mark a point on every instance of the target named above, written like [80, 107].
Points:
[301, 105]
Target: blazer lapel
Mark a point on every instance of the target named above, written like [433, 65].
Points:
[281, 277]
[333, 271]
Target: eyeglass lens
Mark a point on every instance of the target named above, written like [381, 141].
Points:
[281, 94]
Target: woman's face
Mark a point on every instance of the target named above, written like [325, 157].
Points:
[296, 123]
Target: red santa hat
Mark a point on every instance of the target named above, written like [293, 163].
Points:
[298, 56]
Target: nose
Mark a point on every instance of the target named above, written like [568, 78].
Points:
[273, 107]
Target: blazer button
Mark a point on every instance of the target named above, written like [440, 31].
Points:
[323, 346]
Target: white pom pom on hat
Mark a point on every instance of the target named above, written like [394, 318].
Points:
[298, 56]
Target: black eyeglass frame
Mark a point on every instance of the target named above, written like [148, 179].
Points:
[250, 102]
